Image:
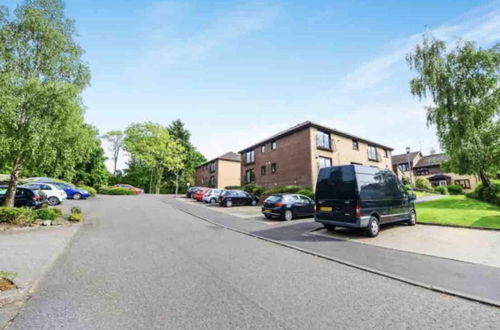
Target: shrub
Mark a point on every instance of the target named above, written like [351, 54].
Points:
[307, 192]
[47, 213]
[19, 216]
[455, 189]
[491, 195]
[291, 189]
[254, 189]
[116, 191]
[442, 190]
[76, 209]
[423, 183]
[75, 217]
[233, 188]
[91, 190]
[406, 180]
[408, 187]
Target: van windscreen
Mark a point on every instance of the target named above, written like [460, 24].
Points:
[337, 182]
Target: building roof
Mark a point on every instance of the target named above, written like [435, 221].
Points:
[431, 160]
[308, 124]
[402, 158]
[230, 156]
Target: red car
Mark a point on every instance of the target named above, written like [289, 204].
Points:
[137, 191]
[199, 194]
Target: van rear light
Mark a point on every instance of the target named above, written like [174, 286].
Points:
[358, 211]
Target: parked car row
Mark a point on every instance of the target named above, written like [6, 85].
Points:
[25, 197]
[352, 196]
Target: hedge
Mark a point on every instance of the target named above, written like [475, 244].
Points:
[442, 190]
[455, 189]
[491, 195]
[17, 215]
[116, 191]
[91, 190]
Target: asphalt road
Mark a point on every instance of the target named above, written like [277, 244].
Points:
[142, 264]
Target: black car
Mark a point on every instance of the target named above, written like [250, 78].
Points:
[288, 206]
[237, 197]
[362, 197]
[25, 197]
[190, 192]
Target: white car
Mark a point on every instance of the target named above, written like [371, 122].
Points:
[212, 196]
[55, 195]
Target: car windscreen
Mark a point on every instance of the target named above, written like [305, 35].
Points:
[274, 199]
[337, 182]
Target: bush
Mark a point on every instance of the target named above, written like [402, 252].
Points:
[307, 192]
[291, 189]
[116, 191]
[408, 187]
[19, 216]
[233, 188]
[75, 217]
[442, 190]
[423, 183]
[491, 195]
[254, 189]
[406, 180]
[91, 190]
[76, 209]
[455, 189]
[47, 213]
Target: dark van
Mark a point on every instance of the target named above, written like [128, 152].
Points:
[359, 196]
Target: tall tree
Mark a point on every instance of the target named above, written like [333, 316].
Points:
[152, 145]
[115, 139]
[41, 78]
[463, 85]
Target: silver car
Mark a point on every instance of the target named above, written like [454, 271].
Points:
[212, 196]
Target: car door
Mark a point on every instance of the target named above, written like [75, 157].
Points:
[307, 206]
[21, 198]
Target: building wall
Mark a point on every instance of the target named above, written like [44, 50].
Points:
[343, 153]
[228, 173]
[406, 173]
[292, 157]
[203, 175]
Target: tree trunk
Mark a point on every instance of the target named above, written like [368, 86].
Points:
[158, 182]
[115, 161]
[14, 178]
[484, 178]
[176, 183]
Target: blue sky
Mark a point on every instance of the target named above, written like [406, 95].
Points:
[238, 71]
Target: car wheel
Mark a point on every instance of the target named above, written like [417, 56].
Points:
[254, 202]
[213, 201]
[329, 227]
[77, 196]
[53, 201]
[267, 216]
[413, 218]
[288, 215]
[229, 203]
[373, 227]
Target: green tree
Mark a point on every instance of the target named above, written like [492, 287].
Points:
[41, 78]
[463, 85]
[115, 140]
[92, 170]
[152, 145]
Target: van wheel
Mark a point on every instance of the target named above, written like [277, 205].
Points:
[413, 218]
[373, 227]
[329, 227]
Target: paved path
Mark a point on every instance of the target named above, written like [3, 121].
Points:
[143, 264]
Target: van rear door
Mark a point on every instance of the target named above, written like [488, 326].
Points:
[336, 194]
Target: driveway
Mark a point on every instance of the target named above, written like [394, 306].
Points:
[144, 264]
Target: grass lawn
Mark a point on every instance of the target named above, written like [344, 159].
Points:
[459, 210]
[423, 194]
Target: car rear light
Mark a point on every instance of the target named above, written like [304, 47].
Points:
[358, 211]
[38, 198]
[279, 204]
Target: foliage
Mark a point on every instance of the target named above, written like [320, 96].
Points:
[459, 210]
[283, 190]
[455, 189]
[491, 195]
[441, 190]
[41, 78]
[306, 192]
[406, 180]
[75, 217]
[17, 215]
[116, 191]
[423, 183]
[76, 209]
[115, 140]
[463, 85]
[8, 275]
[254, 189]
[233, 188]
[47, 213]
[152, 146]
[91, 190]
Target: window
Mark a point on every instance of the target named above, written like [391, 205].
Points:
[465, 183]
[274, 145]
[323, 140]
[386, 153]
[262, 170]
[324, 162]
[211, 167]
[404, 167]
[263, 148]
[422, 171]
[211, 181]
[273, 168]
[249, 176]
[372, 153]
[355, 144]
[250, 157]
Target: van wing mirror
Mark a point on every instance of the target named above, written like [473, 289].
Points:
[412, 196]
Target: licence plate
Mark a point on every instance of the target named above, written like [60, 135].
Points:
[326, 209]
[267, 211]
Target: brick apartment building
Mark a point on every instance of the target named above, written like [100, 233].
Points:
[430, 167]
[294, 156]
[220, 172]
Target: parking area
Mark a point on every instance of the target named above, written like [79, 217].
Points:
[469, 245]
